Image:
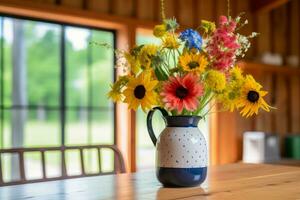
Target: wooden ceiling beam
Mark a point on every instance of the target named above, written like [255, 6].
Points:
[266, 5]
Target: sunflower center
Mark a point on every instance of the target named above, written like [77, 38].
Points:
[193, 64]
[139, 91]
[181, 92]
[253, 96]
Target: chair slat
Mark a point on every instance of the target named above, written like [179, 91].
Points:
[99, 160]
[21, 165]
[43, 164]
[82, 161]
[63, 164]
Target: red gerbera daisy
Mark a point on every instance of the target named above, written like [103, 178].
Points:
[182, 92]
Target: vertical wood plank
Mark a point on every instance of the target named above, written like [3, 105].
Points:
[295, 106]
[72, 3]
[98, 6]
[156, 11]
[263, 28]
[267, 86]
[281, 112]
[206, 10]
[195, 18]
[123, 8]
[294, 29]
[169, 8]
[279, 30]
[186, 12]
[244, 6]
[145, 9]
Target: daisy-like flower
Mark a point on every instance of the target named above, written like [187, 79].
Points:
[140, 91]
[215, 80]
[191, 62]
[170, 41]
[251, 99]
[180, 93]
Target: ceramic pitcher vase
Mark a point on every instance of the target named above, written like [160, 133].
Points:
[181, 150]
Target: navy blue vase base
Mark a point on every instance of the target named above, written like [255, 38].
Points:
[181, 177]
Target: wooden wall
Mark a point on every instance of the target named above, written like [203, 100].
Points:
[279, 33]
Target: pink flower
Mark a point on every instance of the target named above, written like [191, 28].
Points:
[223, 20]
[182, 93]
[223, 45]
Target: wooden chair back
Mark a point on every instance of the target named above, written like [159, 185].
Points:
[119, 166]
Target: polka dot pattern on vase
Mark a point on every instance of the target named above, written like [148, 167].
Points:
[181, 147]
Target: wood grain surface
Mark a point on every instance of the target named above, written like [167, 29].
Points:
[232, 181]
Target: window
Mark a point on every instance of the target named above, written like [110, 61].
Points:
[145, 147]
[52, 84]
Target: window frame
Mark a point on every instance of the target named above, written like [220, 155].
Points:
[62, 107]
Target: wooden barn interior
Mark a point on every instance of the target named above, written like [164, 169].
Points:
[273, 60]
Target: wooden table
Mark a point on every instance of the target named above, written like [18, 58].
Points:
[234, 181]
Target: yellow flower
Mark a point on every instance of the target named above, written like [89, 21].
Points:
[114, 94]
[251, 99]
[170, 41]
[146, 54]
[229, 98]
[159, 30]
[140, 91]
[236, 74]
[134, 63]
[208, 26]
[215, 80]
[193, 62]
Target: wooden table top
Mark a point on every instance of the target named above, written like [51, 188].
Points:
[234, 181]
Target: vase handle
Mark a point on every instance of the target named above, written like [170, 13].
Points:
[149, 122]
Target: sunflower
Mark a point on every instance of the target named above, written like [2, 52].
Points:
[140, 91]
[193, 62]
[251, 99]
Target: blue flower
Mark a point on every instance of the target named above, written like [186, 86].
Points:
[192, 39]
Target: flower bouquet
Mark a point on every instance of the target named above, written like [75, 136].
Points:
[184, 77]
